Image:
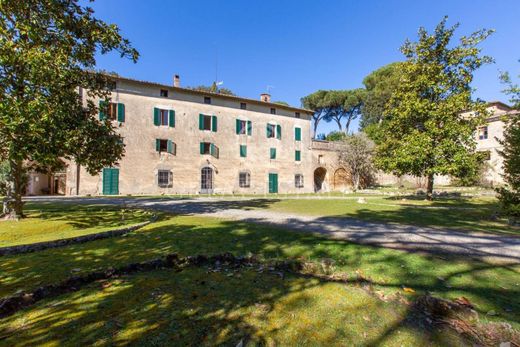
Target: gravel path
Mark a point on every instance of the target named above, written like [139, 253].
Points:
[489, 247]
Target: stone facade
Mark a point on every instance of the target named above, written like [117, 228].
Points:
[138, 171]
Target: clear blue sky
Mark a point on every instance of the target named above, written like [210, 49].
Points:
[297, 47]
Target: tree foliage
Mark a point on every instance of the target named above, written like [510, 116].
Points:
[335, 105]
[47, 56]
[336, 136]
[425, 130]
[357, 157]
[509, 195]
[213, 89]
[379, 85]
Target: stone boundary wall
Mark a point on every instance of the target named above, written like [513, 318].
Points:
[34, 247]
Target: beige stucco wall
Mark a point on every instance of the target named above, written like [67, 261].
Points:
[139, 167]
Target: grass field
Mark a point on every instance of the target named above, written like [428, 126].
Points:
[47, 223]
[470, 214]
[164, 304]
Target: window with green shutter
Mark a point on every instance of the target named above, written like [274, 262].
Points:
[207, 122]
[279, 132]
[298, 155]
[271, 130]
[171, 147]
[249, 127]
[102, 109]
[213, 150]
[297, 134]
[171, 121]
[156, 116]
[272, 153]
[243, 151]
[121, 113]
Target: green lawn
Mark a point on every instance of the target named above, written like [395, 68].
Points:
[46, 222]
[471, 214]
[229, 310]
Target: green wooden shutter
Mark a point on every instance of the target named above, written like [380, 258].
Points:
[297, 155]
[169, 147]
[298, 134]
[120, 113]
[201, 121]
[157, 145]
[102, 114]
[237, 123]
[243, 151]
[272, 153]
[172, 118]
[213, 150]
[214, 123]
[278, 131]
[174, 148]
[115, 181]
[268, 131]
[249, 127]
[202, 148]
[156, 120]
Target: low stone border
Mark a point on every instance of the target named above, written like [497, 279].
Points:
[39, 246]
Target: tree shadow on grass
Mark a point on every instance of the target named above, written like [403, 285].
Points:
[197, 308]
[489, 286]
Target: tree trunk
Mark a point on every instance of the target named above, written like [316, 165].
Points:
[355, 182]
[347, 125]
[78, 167]
[338, 121]
[316, 121]
[13, 204]
[429, 188]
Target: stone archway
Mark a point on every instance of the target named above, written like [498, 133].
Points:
[342, 179]
[319, 179]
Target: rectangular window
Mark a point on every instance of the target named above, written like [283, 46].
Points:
[205, 148]
[207, 100]
[243, 106]
[298, 181]
[272, 153]
[297, 134]
[111, 111]
[320, 158]
[243, 151]
[163, 116]
[483, 133]
[163, 145]
[244, 179]
[298, 155]
[164, 93]
[271, 130]
[207, 122]
[241, 127]
[273, 110]
[164, 178]
[297, 114]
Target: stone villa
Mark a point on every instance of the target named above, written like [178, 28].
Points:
[182, 141]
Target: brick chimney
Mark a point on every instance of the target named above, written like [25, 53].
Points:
[176, 81]
[265, 97]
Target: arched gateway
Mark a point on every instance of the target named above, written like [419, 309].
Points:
[319, 179]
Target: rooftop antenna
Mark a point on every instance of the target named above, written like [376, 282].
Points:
[217, 82]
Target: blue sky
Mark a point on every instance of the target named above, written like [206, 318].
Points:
[297, 47]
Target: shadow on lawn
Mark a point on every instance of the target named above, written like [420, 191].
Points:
[196, 313]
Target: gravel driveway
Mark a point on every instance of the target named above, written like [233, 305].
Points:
[490, 247]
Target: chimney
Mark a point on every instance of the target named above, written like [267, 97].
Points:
[176, 81]
[265, 97]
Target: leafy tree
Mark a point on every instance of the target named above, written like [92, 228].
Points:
[335, 105]
[379, 85]
[47, 60]
[336, 136]
[213, 89]
[358, 158]
[509, 195]
[425, 130]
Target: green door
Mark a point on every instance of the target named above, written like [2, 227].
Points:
[110, 181]
[273, 183]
